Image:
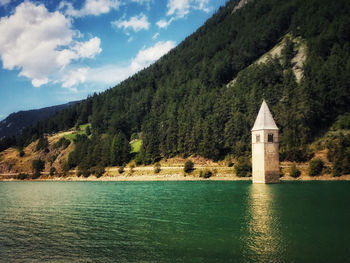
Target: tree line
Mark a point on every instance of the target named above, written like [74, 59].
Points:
[182, 104]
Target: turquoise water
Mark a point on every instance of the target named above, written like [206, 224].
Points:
[174, 222]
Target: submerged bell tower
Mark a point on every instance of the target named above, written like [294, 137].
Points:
[265, 158]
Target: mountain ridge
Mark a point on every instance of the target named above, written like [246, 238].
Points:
[13, 124]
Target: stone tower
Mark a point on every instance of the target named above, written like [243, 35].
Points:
[265, 157]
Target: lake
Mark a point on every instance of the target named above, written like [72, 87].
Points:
[201, 221]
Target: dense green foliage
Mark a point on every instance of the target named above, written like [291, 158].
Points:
[62, 142]
[42, 144]
[316, 167]
[205, 173]
[182, 105]
[157, 168]
[22, 176]
[294, 171]
[339, 154]
[189, 166]
[243, 167]
[38, 166]
[52, 171]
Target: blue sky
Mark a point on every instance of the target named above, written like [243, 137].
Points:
[52, 51]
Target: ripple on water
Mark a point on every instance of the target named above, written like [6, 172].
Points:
[173, 222]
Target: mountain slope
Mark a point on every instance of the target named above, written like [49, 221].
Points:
[15, 122]
[182, 105]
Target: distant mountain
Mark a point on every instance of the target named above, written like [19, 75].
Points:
[15, 122]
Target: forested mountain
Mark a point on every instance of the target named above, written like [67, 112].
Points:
[182, 105]
[15, 122]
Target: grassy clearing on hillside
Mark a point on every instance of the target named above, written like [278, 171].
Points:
[136, 146]
[81, 131]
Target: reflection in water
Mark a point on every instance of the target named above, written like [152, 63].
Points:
[263, 240]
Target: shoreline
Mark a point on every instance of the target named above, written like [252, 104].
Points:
[168, 177]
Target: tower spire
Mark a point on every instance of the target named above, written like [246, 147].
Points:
[264, 120]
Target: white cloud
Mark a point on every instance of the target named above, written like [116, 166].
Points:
[155, 36]
[164, 23]
[74, 78]
[39, 43]
[4, 2]
[178, 9]
[147, 56]
[113, 74]
[91, 7]
[89, 48]
[136, 23]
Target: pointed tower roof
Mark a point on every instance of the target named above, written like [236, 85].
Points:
[264, 120]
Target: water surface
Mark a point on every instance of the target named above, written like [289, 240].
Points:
[174, 222]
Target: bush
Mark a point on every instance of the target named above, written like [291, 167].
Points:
[62, 142]
[38, 165]
[139, 158]
[315, 167]
[294, 171]
[206, 174]
[52, 171]
[281, 172]
[42, 144]
[243, 168]
[65, 167]
[88, 130]
[21, 153]
[132, 165]
[22, 176]
[189, 166]
[157, 168]
[98, 170]
[121, 169]
[85, 172]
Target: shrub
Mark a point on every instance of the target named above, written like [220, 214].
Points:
[206, 174]
[38, 165]
[121, 169]
[139, 158]
[281, 172]
[316, 167]
[157, 168]
[22, 176]
[65, 167]
[88, 130]
[62, 142]
[53, 158]
[21, 153]
[294, 171]
[243, 168]
[189, 166]
[132, 165]
[52, 171]
[85, 172]
[98, 170]
[42, 144]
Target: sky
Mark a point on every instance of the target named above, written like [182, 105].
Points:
[53, 52]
